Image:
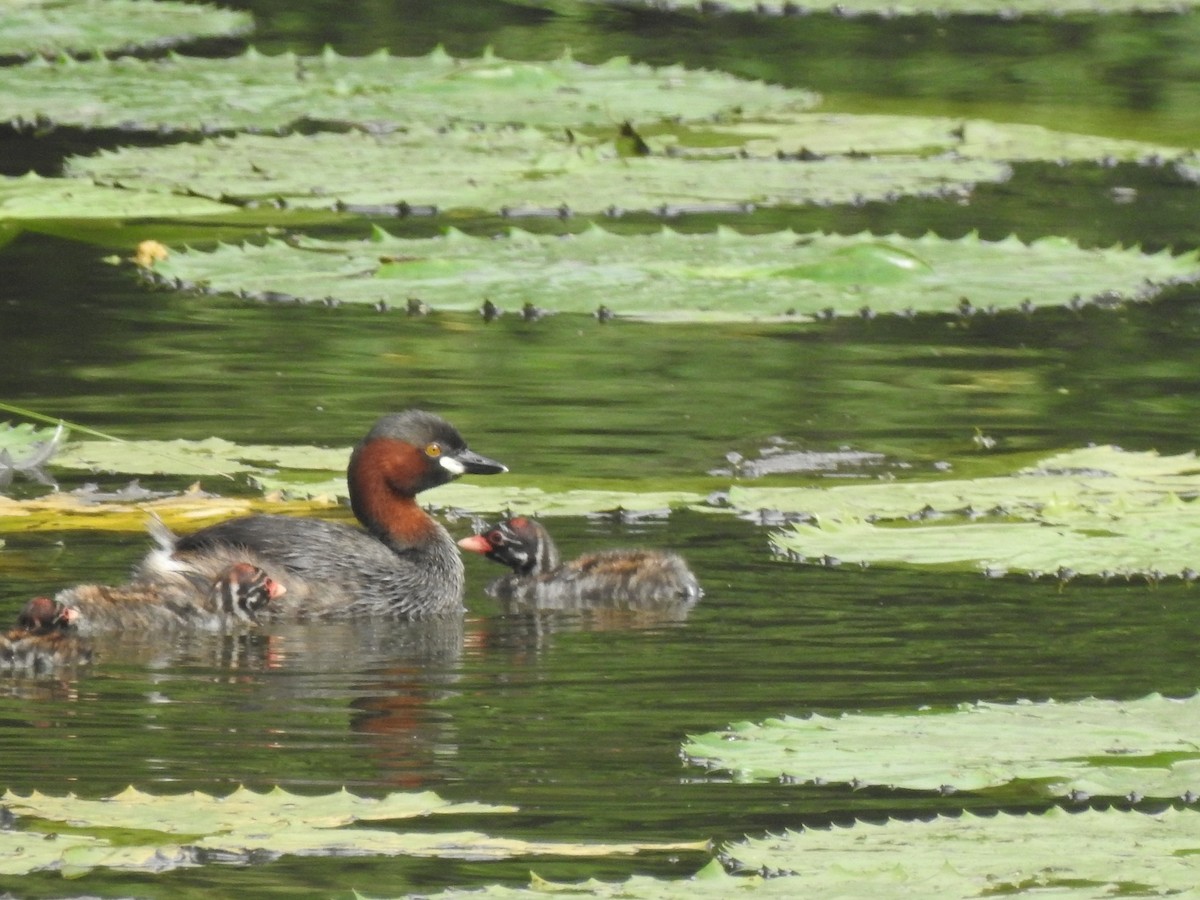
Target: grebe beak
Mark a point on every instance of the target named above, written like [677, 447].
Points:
[476, 543]
[468, 462]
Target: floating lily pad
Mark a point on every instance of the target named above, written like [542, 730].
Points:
[817, 133]
[25, 451]
[33, 197]
[200, 813]
[891, 8]
[1097, 510]
[185, 512]
[296, 480]
[157, 833]
[1057, 853]
[711, 881]
[211, 456]
[24, 439]
[1094, 510]
[460, 172]
[565, 501]
[51, 27]
[1094, 747]
[717, 275]
[256, 92]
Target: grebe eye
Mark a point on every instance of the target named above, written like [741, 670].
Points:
[433, 451]
[495, 538]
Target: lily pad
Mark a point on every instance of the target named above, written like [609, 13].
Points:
[1056, 853]
[671, 275]
[24, 438]
[51, 27]
[296, 480]
[200, 813]
[1097, 510]
[510, 170]
[892, 8]
[34, 197]
[211, 456]
[711, 881]
[256, 92]
[186, 511]
[1093, 747]
[817, 133]
[158, 833]
[25, 451]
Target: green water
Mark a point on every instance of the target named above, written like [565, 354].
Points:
[578, 720]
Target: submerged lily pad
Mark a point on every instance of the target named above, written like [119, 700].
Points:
[1096, 510]
[510, 169]
[51, 27]
[1148, 747]
[34, 197]
[722, 274]
[175, 831]
[257, 92]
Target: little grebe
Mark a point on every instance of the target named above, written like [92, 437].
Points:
[41, 641]
[404, 563]
[615, 578]
[235, 597]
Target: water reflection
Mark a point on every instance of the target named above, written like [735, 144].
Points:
[525, 634]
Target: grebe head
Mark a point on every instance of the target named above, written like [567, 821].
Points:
[402, 455]
[520, 543]
[41, 615]
[243, 590]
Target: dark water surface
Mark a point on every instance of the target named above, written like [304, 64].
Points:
[578, 720]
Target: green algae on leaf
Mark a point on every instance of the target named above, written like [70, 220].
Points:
[139, 831]
[1093, 511]
[31, 196]
[1149, 747]
[256, 92]
[51, 27]
[514, 174]
[671, 275]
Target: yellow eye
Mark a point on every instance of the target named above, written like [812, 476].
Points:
[433, 451]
